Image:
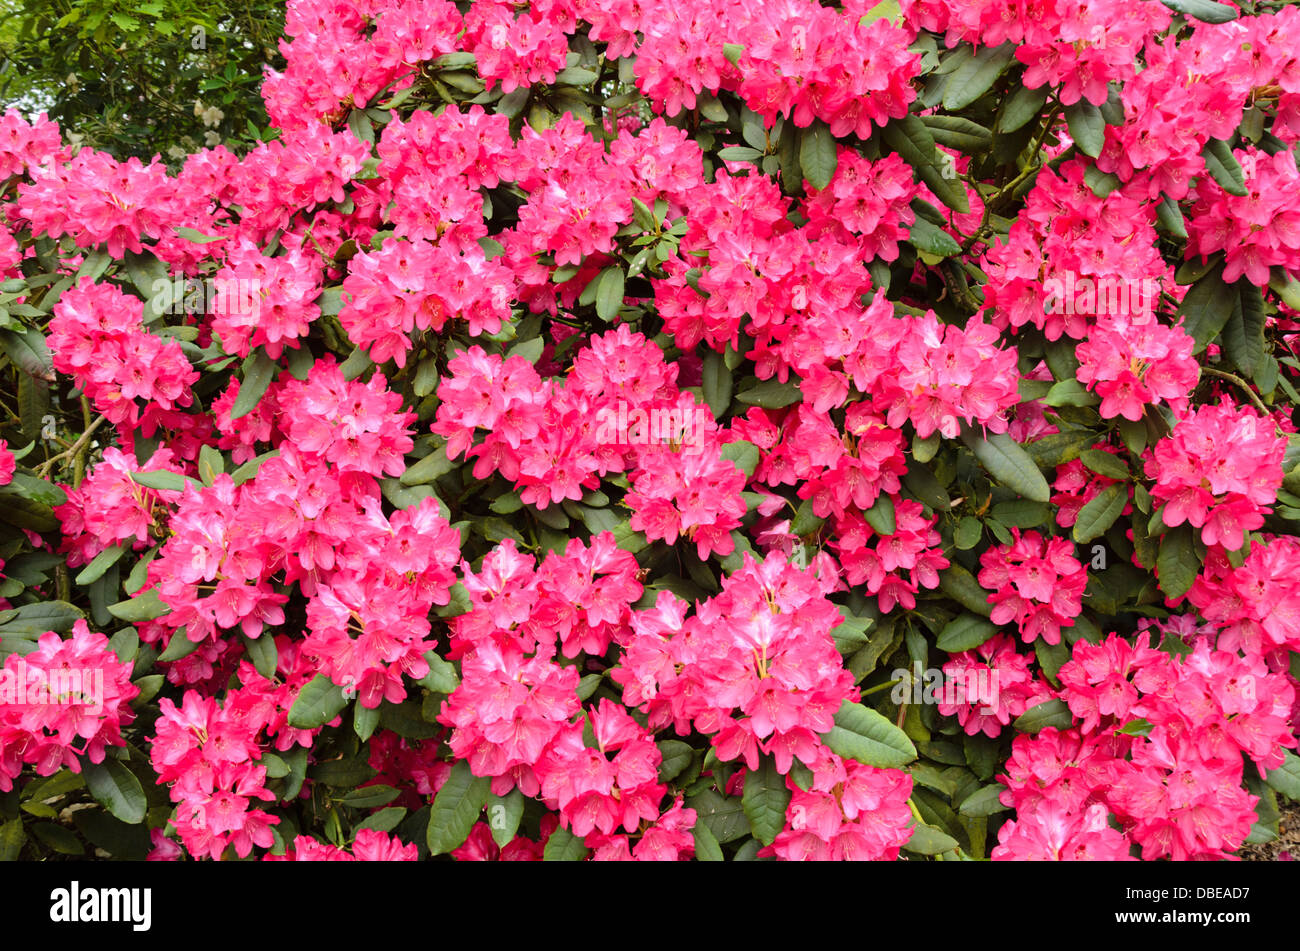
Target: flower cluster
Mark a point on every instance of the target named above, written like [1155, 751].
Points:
[993, 685]
[62, 700]
[1173, 777]
[1036, 582]
[850, 812]
[755, 666]
[1219, 471]
[99, 338]
[1132, 364]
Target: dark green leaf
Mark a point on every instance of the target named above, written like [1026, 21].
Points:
[983, 801]
[1099, 515]
[862, 734]
[1007, 462]
[965, 632]
[259, 370]
[1205, 10]
[117, 789]
[764, 800]
[456, 808]
[976, 76]
[1049, 713]
[319, 702]
[1087, 127]
[1224, 168]
[817, 155]
[1177, 563]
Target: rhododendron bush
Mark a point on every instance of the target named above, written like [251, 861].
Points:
[636, 430]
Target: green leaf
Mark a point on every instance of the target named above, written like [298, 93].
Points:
[342, 773]
[178, 647]
[881, 515]
[1286, 778]
[564, 846]
[675, 756]
[1022, 513]
[1087, 127]
[976, 76]
[35, 619]
[58, 838]
[262, 653]
[1137, 727]
[716, 383]
[1099, 515]
[1169, 217]
[959, 133]
[923, 450]
[1070, 393]
[1205, 10]
[357, 363]
[1243, 335]
[926, 237]
[198, 237]
[911, 139]
[433, 466]
[211, 464]
[1022, 105]
[1104, 463]
[817, 155]
[370, 797]
[927, 840]
[609, 292]
[983, 801]
[862, 734]
[319, 702]
[385, 820]
[965, 632]
[724, 815]
[117, 789]
[249, 469]
[706, 844]
[442, 676]
[968, 533]
[739, 153]
[12, 837]
[805, 521]
[259, 370]
[29, 352]
[1049, 713]
[456, 808]
[771, 395]
[164, 481]
[1224, 168]
[960, 585]
[504, 813]
[764, 800]
[141, 608]
[1177, 564]
[1007, 462]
